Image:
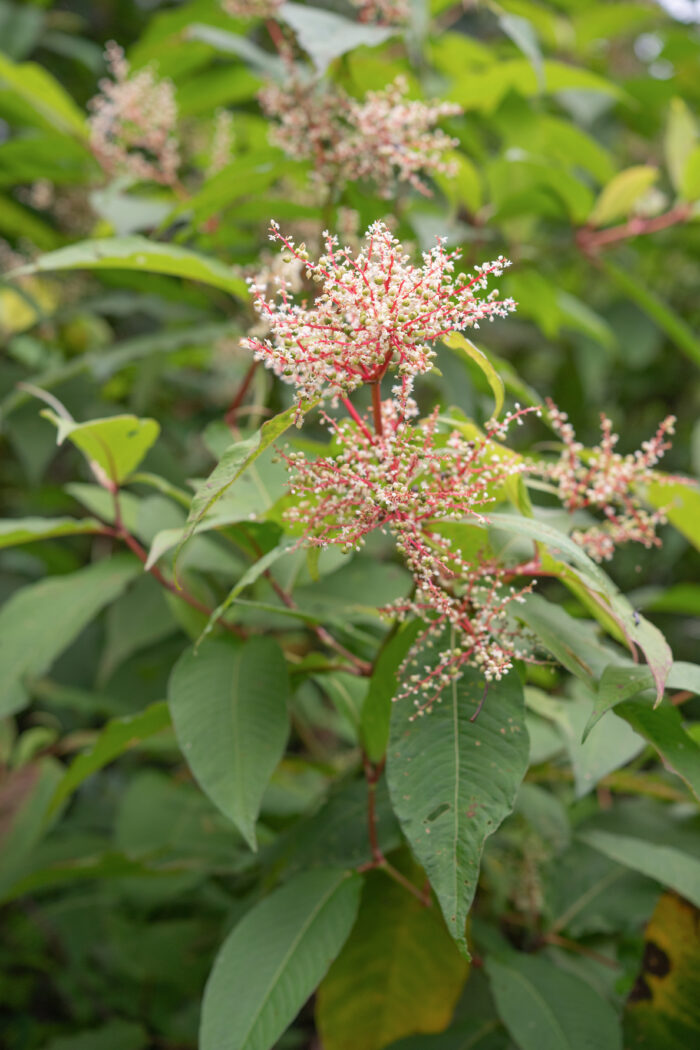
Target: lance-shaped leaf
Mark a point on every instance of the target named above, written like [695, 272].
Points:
[621, 682]
[545, 1008]
[666, 864]
[274, 959]
[235, 460]
[456, 341]
[117, 444]
[399, 973]
[44, 94]
[40, 621]
[664, 730]
[142, 254]
[16, 531]
[325, 35]
[618, 198]
[453, 781]
[383, 687]
[229, 708]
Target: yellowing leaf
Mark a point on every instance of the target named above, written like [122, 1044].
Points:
[622, 193]
[399, 974]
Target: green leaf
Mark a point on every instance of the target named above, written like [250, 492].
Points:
[28, 530]
[560, 545]
[113, 1035]
[523, 35]
[545, 1008]
[665, 864]
[229, 709]
[24, 796]
[232, 464]
[44, 94]
[679, 141]
[383, 687]
[117, 444]
[619, 197]
[573, 642]
[452, 781]
[619, 682]
[690, 181]
[456, 341]
[399, 973]
[326, 36]
[141, 254]
[681, 503]
[40, 621]
[664, 729]
[274, 959]
[118, 736]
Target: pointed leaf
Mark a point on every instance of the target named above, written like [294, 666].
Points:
[545, 1008]
[38, 622]
[456, 341]
[666, 864]
[383, 687]
[274, 959]
[326, 36]
[452, 781]
[15, 531]
[117, 444]
[400, 973]
[142, 254]
[621, 194]
[620, 682]
[229, 708]
[679, 141]
[664, 730]
[45, 95]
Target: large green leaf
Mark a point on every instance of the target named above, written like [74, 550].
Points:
[664, 729]
[619, 682]
[229, 709]
[118, 736]
[399, 973]
[40, 621]
[452, 781]
[668, 865]
[14, 532]
[142, 254]
[45, 95]
[545, 1008]
[117, 444]
[274, 959]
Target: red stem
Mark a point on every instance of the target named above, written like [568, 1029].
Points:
[353, 414]
[230, 417]
[590, 241]
[377, 408]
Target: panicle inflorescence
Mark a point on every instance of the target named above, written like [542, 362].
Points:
[374, 312]
[604, 480]
[407, 482]
[221, 147]
[385, 137]
[132, 126]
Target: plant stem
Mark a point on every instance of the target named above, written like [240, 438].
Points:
[232, 413]
[590, 240]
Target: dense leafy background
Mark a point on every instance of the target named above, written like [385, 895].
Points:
[125, 833]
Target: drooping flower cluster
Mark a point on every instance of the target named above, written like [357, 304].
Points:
[407, 481]
[221, 143]
[604, 480]
[374, 312]
[133, 121]
[386, 137]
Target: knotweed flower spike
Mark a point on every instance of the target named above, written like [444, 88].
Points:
[132, 126]
[374, 312]
[602, 479]
[386, 137]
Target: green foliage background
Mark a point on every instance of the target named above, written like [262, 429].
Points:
[125, 857]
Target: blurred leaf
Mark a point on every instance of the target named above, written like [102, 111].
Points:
[28, 530]
[690, 180]
[274, 958]
[326, 36]
[44, 94]
[229, 709]
[664, 730]
[544, 1008]
[41, 620]
[114, 1035]
[143, 255]
[621, 194]
[399, 972]
[118, 736]
[663, 1010]
[681, 503]
[24, 797]
[679, 141]
[453, 781]
[667, 865]
[117, 444]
